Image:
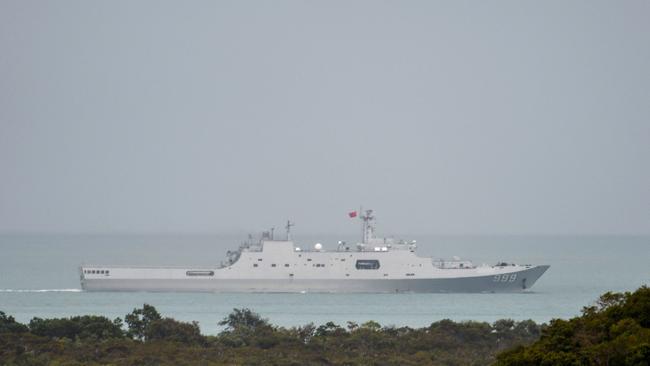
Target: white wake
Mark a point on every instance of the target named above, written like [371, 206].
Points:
[42, 290]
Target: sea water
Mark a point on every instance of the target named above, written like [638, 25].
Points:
[39, 278]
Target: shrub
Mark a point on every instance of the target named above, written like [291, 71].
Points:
[87, 326]
[9, 325]
[172, 330]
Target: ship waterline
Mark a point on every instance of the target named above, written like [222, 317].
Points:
[375, 265]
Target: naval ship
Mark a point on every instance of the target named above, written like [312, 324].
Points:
[374, 265]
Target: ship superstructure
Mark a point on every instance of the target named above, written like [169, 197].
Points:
[270, 265]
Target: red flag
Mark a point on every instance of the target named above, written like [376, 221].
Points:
[352, 214]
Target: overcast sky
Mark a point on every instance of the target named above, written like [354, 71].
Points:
[446, 117]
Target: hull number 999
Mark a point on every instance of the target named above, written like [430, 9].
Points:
[508, 277]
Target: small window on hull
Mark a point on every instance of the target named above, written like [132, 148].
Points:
[200, 273]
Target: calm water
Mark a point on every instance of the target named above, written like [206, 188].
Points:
[38, 277]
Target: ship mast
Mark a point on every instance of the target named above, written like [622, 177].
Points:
[368, 227]
[288, 227]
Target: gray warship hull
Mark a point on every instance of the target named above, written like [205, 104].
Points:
[523, 280]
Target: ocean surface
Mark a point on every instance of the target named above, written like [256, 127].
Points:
[39, 278]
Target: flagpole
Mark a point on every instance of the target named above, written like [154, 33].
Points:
[363, 228]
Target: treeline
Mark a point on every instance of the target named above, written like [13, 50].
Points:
[144, 337]
[615, 331]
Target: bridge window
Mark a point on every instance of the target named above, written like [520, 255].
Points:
[367, 264]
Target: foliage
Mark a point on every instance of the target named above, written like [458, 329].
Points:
[139, 319]
[172, 330]
[243, 320]
[614, 331]
[87, 326]
[9, 325]
[248, 338]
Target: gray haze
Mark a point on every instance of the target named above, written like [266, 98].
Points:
[450, 117]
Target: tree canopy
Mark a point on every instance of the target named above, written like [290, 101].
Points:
[139, 319]
[614, 331]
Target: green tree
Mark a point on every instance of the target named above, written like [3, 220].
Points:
[329, 329]
[9, 325]
[615, 331]
[87, 326]
[175, 331]
[243, 319]
[139, 319]
[371, 325]
[247, 328]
